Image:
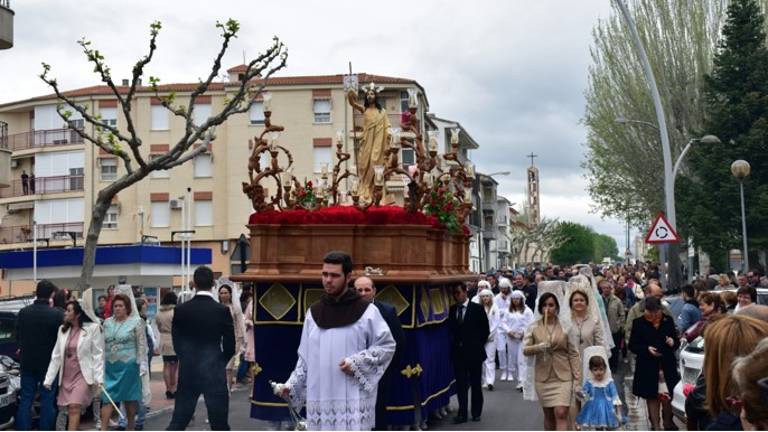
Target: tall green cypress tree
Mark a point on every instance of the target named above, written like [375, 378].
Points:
[737, 112]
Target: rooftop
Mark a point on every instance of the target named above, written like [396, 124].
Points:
[103, 90]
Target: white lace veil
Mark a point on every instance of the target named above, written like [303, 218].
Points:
[558, 288]
[127, 290]
[589, 352]
[596, 304]
[234, 291]
[87, 305]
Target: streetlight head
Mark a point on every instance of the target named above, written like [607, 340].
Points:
[740, 169]
[620, 119]
[710, 139]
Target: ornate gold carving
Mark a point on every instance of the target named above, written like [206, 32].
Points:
[277, 301]
[410, 372]
[437, 300]
[256, 369]
[424, 304]
[391, 295]
[311, 296]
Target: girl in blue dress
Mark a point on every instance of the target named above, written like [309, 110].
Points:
[601, 407]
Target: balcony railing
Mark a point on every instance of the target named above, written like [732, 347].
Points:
[43, 185]
[3, 135]
[23, 233]
[43, 138]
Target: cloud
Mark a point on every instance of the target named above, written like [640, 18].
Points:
[513, 73]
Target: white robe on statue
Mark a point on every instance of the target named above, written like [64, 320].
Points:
[335, 400]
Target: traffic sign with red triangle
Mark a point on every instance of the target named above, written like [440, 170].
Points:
[661, 231]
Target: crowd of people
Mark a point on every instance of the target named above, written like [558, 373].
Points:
[558, 333]
[586, 319]
[76, 354]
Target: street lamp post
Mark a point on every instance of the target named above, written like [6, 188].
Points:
[669, 181]
[741, 169]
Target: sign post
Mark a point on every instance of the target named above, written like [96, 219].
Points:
[661, 232]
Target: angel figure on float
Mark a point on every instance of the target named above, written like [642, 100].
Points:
[375, 140]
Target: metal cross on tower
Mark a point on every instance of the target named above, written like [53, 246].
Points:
[532, 156]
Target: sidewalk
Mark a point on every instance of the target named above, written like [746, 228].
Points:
[159, 404]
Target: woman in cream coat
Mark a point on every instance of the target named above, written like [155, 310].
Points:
[556, 366]
[77, 362]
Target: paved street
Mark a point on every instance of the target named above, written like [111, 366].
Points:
[504, 409]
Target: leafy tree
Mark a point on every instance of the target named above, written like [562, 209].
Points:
[579, 248]
[125, 143]
[605, 246]
[737, 112]
[623, 162]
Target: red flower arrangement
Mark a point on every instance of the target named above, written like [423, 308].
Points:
[443, 205]
[345, 215]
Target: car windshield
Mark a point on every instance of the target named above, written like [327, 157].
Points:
[697, 346]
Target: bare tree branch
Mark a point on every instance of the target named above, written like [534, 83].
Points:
[179, 154]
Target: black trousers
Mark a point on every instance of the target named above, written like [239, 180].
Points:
[468, 374]
[216, 397]
[613, 362]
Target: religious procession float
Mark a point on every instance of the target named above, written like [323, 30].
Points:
[415, 250]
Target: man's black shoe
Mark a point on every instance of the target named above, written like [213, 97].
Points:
[476, 419]
[490, 387]
[459, 420]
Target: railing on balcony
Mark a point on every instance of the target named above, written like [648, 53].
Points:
[43, 138]
[43, 185]
[23, 233]
[3, 135]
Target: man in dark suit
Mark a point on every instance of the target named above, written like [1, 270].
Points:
[36, 330]
[204, 340]
[364, 285]
[468, 325]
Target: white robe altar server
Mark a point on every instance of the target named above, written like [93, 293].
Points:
[345, 349]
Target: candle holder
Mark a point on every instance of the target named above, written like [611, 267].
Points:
[431, 172]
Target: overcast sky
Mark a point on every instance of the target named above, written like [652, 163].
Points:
[512, 72]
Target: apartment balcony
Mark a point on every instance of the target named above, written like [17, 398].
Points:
[5, 157]
[6, 24]
[43, 138]
[43, 186]
[23, 233]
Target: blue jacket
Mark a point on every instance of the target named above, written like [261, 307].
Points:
[689, 315]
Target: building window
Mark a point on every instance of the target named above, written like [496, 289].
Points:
[408, 157]
[322, 108]
[158, 173]
[109, 116]
[322, 156]
[203, 213]
[201, 113]
[108, 169]
[403, 101]
[161, 214]
[203, 165]
[256, 113]
[110, 220]
[160, 117]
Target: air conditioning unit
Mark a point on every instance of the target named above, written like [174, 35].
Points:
[14, 163]
[176, 204]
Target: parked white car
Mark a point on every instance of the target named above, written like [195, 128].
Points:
[691, 364]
